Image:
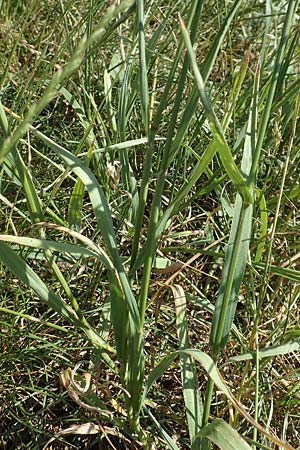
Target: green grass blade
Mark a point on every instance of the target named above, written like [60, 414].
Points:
[168, 440]
[144, 92]
[3, 121]
[215, 126]
[193, 19]
[62, 247]
[153, 238]
[212, 371]
[34, 319]
[263, 226]
[270, 352]
[61, 75]
[103, 215]
[32, 280]
[33, 201]
[284, 272]
[76, 200]
[206, 68]
[289, 18]
[192, 400]
[234, 267]
[205, 360]
[236, 254]
[224, 436]
[218, 41]
[119, 319]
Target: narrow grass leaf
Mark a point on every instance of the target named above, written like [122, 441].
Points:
[206, 68]
[19, 267]
[62, 247]
[236, 254]
[168, 440]
[215, 126]
[24, 175]
[76, 200]
[3, 121]
[224, 436]
[153, 239]
[284, 272]
[270, 352]
[192, 400]
[143, 64]
[34, 319]
[205, 360]
[263, 226]
[280, 51]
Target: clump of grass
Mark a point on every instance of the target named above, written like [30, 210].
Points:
[149, 191]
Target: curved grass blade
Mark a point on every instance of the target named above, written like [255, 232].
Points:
[19, 267]
[269, 352]
[103, 216]
[215, 126]
[212, 371]
[62, 247]
[34, 319]
[224, 436]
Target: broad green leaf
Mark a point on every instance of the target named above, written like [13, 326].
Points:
[224, 436]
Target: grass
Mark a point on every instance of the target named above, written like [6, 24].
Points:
[150, 205]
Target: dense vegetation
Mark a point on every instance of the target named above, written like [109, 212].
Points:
[149, 224]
